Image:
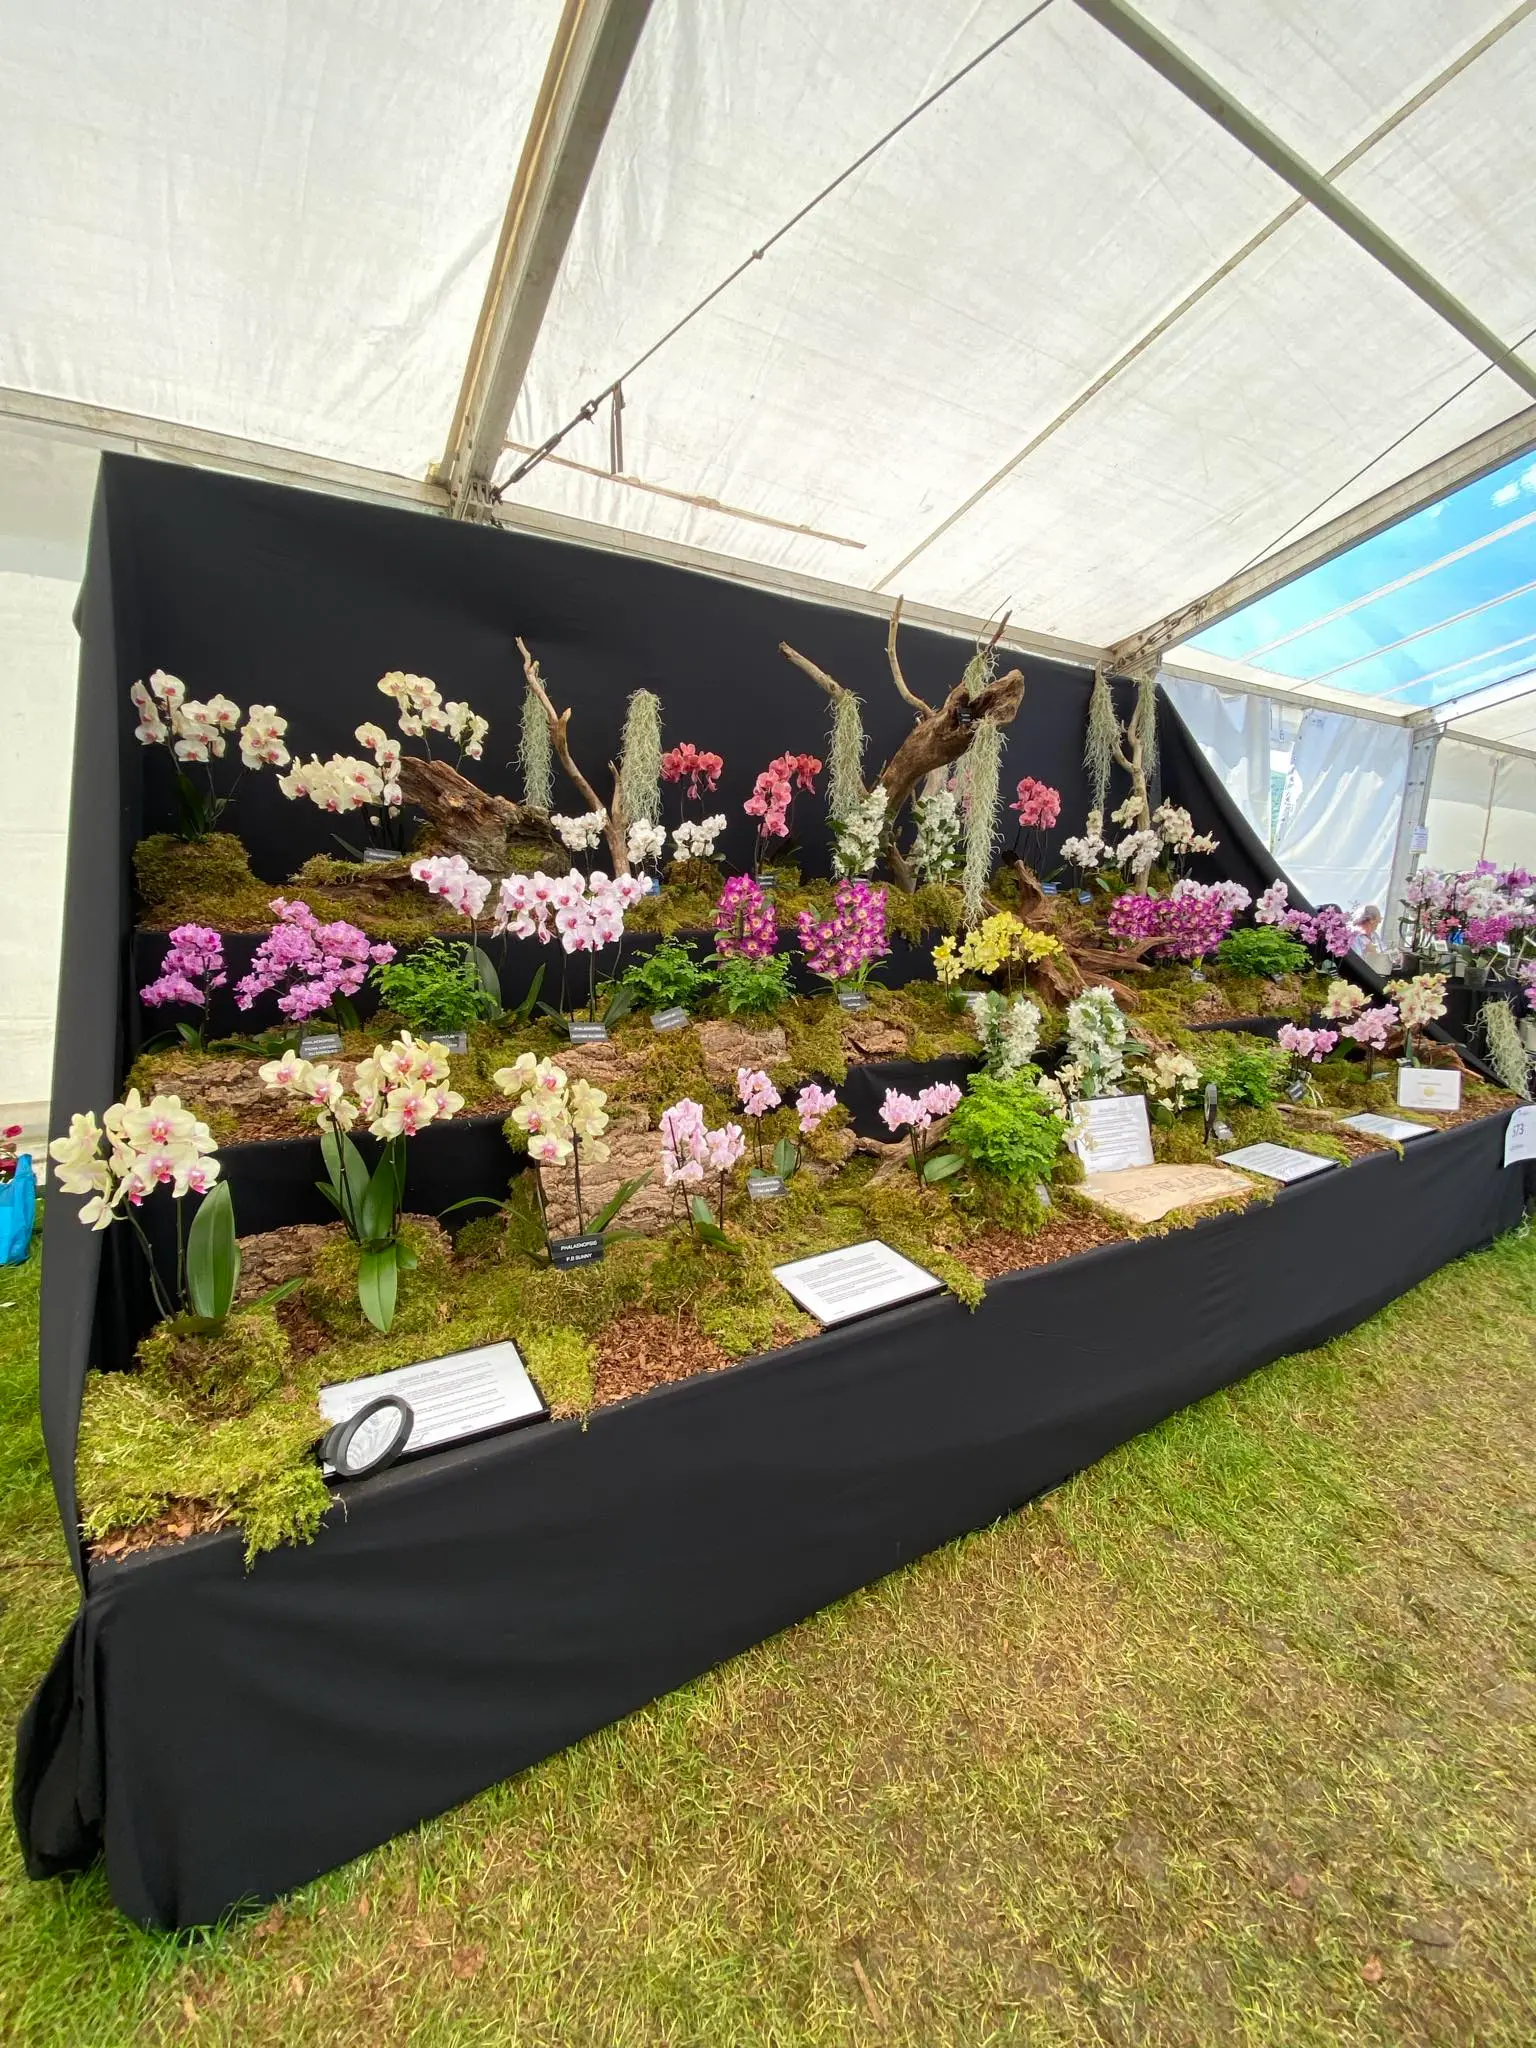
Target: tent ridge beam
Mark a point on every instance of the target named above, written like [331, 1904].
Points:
[589, 60]
[1180, 71]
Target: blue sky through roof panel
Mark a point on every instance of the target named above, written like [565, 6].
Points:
[1432, 609]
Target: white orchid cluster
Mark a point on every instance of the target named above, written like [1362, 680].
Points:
[148, 1145]
[422, 710]
[1177, 830]
[198, 731]
[401, 1089]
[936, 847]
[1096, 1035]
[1009, 1032]
[1090, 850]
[555, 1113]
[1420, 999]
[347, 783]
[585, 912]
[646, 842]
[1172, 1080]
[858, 835]
[580, 834]
[697, 841]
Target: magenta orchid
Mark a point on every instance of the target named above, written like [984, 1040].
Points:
[745, 925]
[843, 948]
[192, 969]
[315, 965]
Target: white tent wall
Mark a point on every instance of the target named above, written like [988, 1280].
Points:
[1482, 806]
[1233, 729]
[45, 502]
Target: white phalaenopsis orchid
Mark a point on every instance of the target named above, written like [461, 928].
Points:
[148, 1145]
[692, 841]
[580, 834]
[646, 842]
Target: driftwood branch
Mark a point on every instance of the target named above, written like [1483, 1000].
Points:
[463, 818]
[616, 831]
[833, 688]
[907, 695]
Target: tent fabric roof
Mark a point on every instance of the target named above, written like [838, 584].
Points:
[1062, 345]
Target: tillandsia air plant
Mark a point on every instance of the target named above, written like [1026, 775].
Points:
[1420, 1001]
[401, 1089]
[317, 967]
[842, 949]
[198, 734]
[1038, 807]
[149, 1146]
[1307, 1049]
[916, 1115]
[192, 969]
[997, 946]
[690, 1153]
[584, 912]
[772, 801]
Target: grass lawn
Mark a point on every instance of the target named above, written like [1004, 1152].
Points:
[1231, 1741]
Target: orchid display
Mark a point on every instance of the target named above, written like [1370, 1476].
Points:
[1090, 851]
[995, 946]
[398, 1091]
[580, 834]
[746, 927]
[689, 1151]
[692, 841]
[318, 967]
[1484, 908]
[192, 969]
[646, 842]
[936, 847]
[1038, 808]
[857, 835]
[844, 947]
[1307, 1049]
[690, 764]
[450, 876]
[757, 1095]
[916, 1115]
[584, 912]
[1176, 828]
[1371, 1028]
[560, 1119]
[148, 1146]
[1420, 1000]
[1009, 1032]
[198, 733]
[1171, 1080]
[1327, 930]
[343, 783]
[1343, 1001]
[1186, 924]
[422, 711]
[1096, 1045]
[773, 794]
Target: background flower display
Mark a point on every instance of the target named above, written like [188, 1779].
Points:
[844, 947]
[198, 733]
[316, 967]
[1328, 931]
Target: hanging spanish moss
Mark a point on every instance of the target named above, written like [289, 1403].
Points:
[845, 758]
[640, 759]
[1145, 719]
[1506, 1052]
[980, 670]
[1102, 739]
[983, 760]
[534, 760]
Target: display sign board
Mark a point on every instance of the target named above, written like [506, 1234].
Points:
[465, 1394]
[589, 1034]
[585, 1250]
[1277, 1162]
[1520, 1135]
[668, 1020]
[1429, 1087]
[836, 1286]
[1111, 1133]
[1395, 1129]
[376, 856]
[319, 1045]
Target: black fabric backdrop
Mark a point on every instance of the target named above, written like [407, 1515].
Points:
[226, 1734]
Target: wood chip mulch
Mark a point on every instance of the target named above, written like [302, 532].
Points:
[1069, 1232]
[187, 1518]
[646, 1350]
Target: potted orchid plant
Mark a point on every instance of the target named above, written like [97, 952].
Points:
[192, 969]
[198, 734]
[690, 1152]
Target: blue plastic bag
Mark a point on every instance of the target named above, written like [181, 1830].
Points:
[18, 1212]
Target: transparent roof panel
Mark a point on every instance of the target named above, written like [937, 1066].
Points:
[1440, 607]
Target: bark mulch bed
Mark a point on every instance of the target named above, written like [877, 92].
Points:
[645, 1351]
[1069, 1232]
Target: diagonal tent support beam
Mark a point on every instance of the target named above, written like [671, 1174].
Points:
[588, 62]
[1154, 49]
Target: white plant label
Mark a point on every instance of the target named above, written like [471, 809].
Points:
[1277, 1162]
[1429, 1088]
[1395, 1129]
[835, 1286]
[1111, 1133]
[462, 1395]
[1520, 1135]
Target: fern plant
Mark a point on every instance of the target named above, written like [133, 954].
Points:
[1007, 1128]
[670, 978]
[436, 987]
[1260, 950]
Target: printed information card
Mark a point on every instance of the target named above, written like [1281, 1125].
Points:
[1520, 1135]
[835, 1286]
[669, 1020]
[319, 1045]
[1111, 1133]
[1429, 1087]
[1277, 1162]
[1395, 1129]
[465, 1394]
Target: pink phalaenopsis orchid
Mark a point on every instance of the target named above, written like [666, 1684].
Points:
[689, 1149]
[192, 969]
[1038, 805]
[690, 764]
[450, 876]
[917, 1114]
[313, 964]
[773, 793]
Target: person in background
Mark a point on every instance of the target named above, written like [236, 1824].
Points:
[1368, 940]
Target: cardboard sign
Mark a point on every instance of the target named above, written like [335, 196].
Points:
[836, 1286]
[1429, 1088]
[668, 1020]
[589, 1034]
[319, 1045]
[464, 1394]
[1111, 1133]
[566, 1252]
[1277, 1162]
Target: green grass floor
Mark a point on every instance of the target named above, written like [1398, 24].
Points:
[1230, 1741]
